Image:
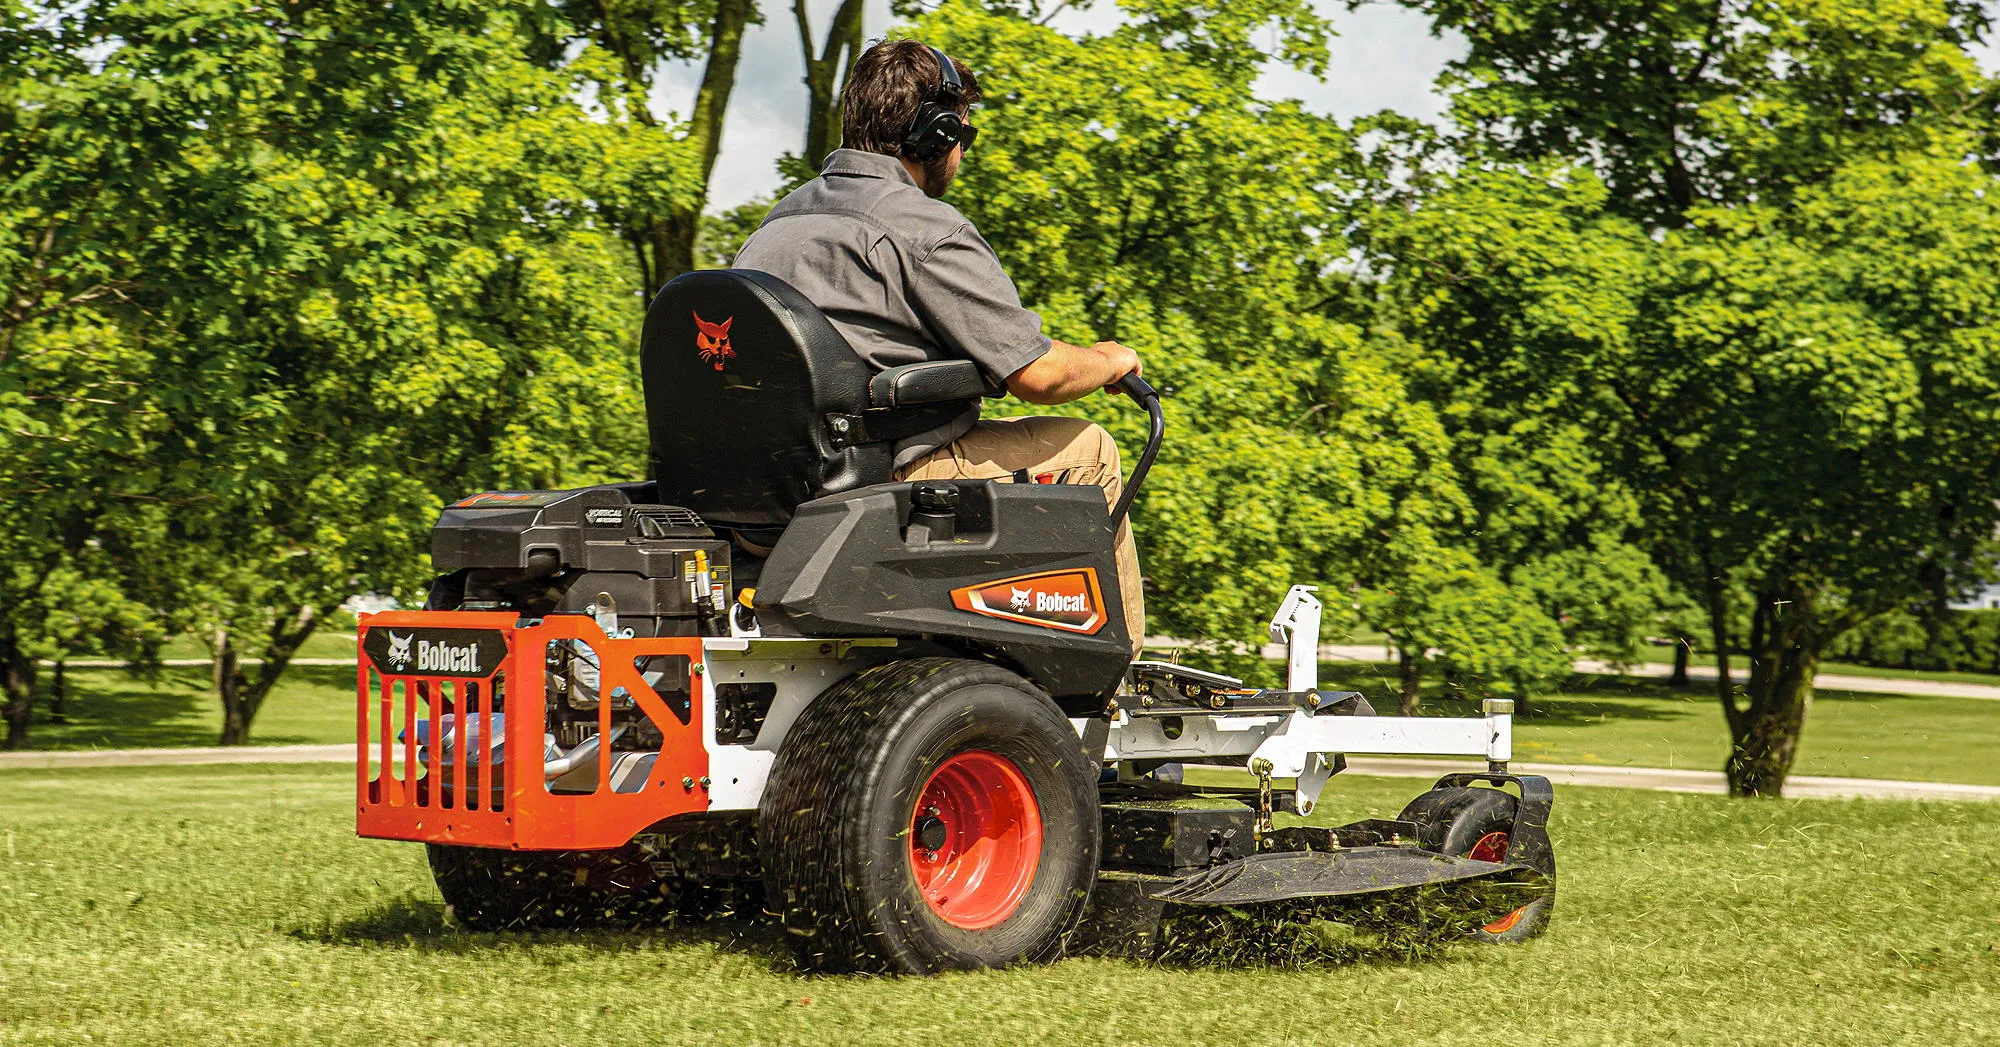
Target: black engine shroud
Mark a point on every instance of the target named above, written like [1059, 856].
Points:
[846, 566]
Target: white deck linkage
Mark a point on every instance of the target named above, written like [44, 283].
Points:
[1300, 744]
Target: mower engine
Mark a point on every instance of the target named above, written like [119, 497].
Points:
[637, 569]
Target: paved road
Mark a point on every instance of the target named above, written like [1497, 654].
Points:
[1661, 779]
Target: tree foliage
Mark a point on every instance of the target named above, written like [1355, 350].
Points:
[370, 268]
[1138, 191]
[1735, 245]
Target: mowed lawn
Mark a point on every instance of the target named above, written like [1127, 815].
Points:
[1641, 722]
[1622, 721]
[233, 904]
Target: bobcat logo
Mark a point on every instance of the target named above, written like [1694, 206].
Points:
[399, 651]
[713, 340]
[1022, 598]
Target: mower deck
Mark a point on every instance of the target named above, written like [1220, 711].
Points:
[1282, 876]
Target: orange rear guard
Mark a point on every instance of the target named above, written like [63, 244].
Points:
[395, 797]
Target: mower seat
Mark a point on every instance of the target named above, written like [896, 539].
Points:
[756, 404]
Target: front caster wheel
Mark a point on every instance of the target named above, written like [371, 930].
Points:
[928, 815]
[1477, 823]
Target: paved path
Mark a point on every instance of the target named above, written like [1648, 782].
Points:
[188, 663]
[1661, 779]
[1823, 682]
[1375, 653]
[1828, 681]
[1797, 787]
[65, 758]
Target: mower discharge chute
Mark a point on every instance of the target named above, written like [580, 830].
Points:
[901, 717]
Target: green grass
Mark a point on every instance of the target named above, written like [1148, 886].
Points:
[233, 904]
[1640, 722]
[112, 709]
[324, 644]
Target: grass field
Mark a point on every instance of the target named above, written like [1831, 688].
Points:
[327, 643]
[1642, 722]
[111, 709]
[233, 904]
[1622, 721]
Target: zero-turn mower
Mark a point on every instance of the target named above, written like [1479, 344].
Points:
[903, 717]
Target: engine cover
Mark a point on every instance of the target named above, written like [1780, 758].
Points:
[584, 551]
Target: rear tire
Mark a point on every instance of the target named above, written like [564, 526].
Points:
[1476, 823]
[928, 815]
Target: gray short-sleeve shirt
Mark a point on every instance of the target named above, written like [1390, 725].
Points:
[903, 277]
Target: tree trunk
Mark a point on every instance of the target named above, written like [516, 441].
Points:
[242, 696]
[673, 235]
[59, 693]
[825, 73]
[17, 673]
[1680, 677]
[1718, 630]
[227, 677]
[1784, 657]
[1410, 670]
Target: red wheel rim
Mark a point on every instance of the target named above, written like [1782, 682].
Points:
[1492, 847]
[975, 839]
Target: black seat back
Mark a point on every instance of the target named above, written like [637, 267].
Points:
[742, 377]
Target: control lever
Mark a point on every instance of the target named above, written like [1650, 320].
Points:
[1143, 394]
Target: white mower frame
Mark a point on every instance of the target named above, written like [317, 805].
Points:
[1298, 744]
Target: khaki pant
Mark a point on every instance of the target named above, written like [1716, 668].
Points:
[1047, 450]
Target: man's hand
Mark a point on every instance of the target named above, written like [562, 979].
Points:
[1071, 372]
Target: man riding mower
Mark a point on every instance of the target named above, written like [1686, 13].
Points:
[836, 654]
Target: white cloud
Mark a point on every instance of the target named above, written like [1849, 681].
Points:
[1384, 58]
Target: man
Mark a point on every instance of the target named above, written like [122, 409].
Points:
[906, 278]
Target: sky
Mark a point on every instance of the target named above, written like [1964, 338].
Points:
[1384, 58]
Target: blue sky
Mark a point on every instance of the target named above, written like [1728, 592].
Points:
[1385, 58]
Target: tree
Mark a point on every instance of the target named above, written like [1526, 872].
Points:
[636, 37]
[80, 411]
[1689, 103]
[1608, 598]
[1802, 399]
[826, 72]
[1492, 639]
[1735, 242]
[365, 284]
[1137, 189]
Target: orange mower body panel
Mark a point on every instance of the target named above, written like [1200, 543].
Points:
[447, 676]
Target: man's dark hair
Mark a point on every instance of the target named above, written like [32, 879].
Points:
[889, 82]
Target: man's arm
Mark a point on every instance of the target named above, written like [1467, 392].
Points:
[1071, 372]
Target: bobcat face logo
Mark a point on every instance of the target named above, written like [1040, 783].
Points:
[399, 651]
[1022, 598]
[713, 340]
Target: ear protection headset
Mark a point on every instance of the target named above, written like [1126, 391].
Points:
[938, 126]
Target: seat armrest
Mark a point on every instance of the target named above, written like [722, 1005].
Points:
[929, 382]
